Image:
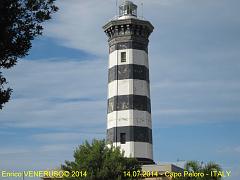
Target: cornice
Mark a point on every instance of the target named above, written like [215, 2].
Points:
[130, 28]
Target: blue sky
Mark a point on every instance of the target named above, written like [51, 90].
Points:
[60, 89]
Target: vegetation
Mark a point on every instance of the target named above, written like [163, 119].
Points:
[206, 169]
[20, 23]
[99, 162]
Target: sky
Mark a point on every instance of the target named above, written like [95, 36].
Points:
[59, 95]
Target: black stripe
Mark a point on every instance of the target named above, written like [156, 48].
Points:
[128, 71]
[126, 102]
[133, 133]
[145, 161]
[129, 45]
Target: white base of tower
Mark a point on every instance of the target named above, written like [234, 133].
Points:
[136, 149]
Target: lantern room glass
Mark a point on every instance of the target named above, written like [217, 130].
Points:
[128, 9]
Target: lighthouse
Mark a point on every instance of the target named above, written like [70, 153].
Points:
[129, 123]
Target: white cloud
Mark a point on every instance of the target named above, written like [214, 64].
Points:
[67, 136]
[49, 93]
[79, 24]
[46, 157]
[230, 149]
[8, 151]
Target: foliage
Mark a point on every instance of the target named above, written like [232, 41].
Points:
[100, 162]
[20, 23]
[195, 166]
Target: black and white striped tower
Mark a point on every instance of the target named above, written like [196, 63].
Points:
[129, 123]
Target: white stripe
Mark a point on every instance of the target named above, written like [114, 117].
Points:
[129, 118]
[136, 149]
[128, 86]
[133, 56]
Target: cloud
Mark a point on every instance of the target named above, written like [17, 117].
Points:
[8, 151]
[79, 24]
[230, 149]
[67, 136]
[49, 93]
[46, 157]
[181, 26]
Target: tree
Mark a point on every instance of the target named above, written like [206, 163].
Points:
[206, 169]
[20, 23]
[100, 162]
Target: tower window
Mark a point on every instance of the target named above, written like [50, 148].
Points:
[123, 57]
[123, 138]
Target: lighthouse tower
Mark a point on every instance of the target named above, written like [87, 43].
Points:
[129, 123]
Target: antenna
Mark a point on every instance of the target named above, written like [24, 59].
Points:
[117, 8]
[142, 9]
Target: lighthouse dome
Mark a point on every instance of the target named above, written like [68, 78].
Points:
[127, 10]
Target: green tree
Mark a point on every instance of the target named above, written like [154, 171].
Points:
[206, 169]
[100, 162]
[20, 23]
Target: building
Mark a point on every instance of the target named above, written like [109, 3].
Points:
[129, 123]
